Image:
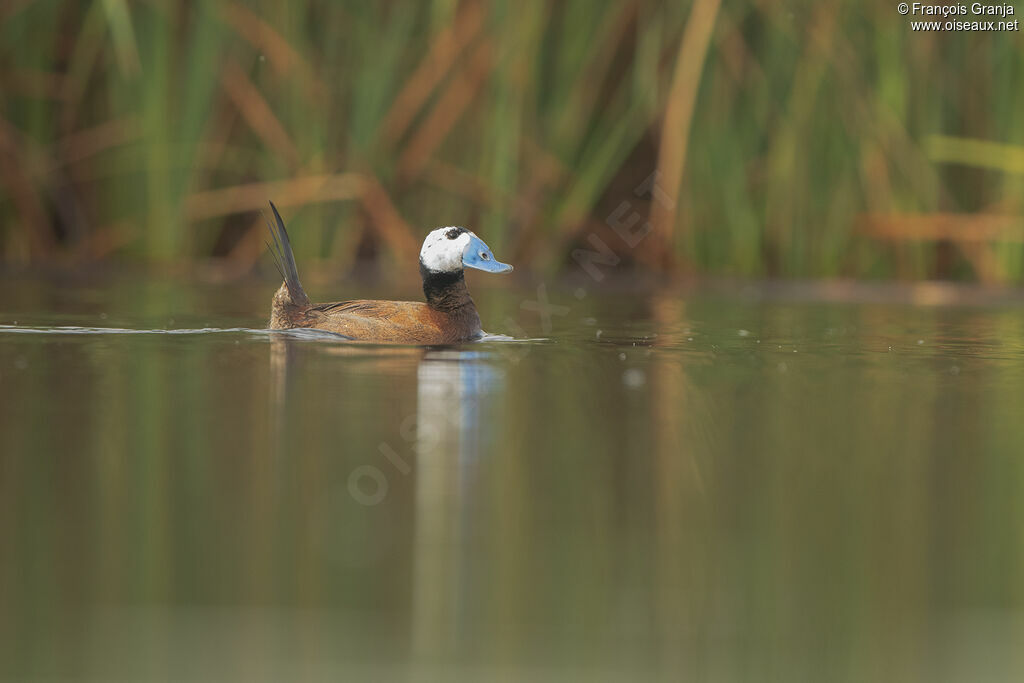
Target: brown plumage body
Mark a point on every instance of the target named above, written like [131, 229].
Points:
[448, 317]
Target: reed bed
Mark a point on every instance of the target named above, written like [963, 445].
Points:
[792, 139]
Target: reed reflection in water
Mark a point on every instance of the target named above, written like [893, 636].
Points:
[720, 488]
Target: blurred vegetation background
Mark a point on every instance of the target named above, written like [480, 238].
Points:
[761, 138]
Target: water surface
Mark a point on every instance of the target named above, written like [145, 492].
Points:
[726, 488]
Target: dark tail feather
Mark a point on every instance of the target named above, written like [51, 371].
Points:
[285, 259]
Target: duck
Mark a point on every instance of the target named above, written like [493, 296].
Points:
[448, 316]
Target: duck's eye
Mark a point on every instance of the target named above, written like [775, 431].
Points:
[485, 256]
[453, 233]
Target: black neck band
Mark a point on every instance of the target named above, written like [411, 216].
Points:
[444, 291]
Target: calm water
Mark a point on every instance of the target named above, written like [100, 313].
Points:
[721, 488]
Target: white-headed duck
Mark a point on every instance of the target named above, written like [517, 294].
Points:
[448, 317]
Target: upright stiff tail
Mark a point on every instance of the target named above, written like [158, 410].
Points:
[285, 259]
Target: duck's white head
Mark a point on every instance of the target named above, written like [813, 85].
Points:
[449, 250]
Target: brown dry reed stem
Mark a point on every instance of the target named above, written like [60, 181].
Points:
[444, 50]
[959, 228]
[25, 194]
[446, 114]
[309, 190]
[675, 129]
[258, 114]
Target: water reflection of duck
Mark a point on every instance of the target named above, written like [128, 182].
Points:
[449, 315]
